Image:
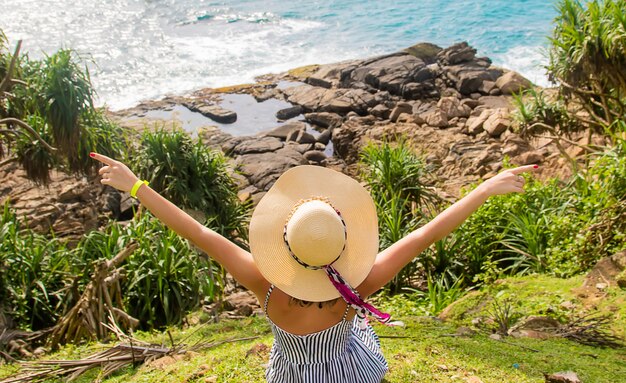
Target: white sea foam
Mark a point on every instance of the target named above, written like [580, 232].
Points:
[529, 61]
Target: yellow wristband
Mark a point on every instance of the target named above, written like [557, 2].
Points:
[136, 186]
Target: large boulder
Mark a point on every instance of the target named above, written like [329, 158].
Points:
[562, 377]
[475, 123]
[381, 111]
[452, 107]
[399, 74]
[287, 113]
[215, 113]
[400, 108]
[512, 82]
[324, 119]
[307, 96]
[257, 145]
[315, 156]
[283, 130]
[457, 53]
[469, 77]
[330, 74]
[263, 169]
[436, 118]
[497, 123]
[426, 52]
[341, 101]
[606, 270]
[467, 72]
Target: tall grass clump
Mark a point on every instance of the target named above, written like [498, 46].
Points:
[394, 175]
[194, 177]
[34, 272]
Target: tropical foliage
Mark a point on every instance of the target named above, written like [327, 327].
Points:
[195, 177]
[41, 278]
[47, 109]
[557, 227]
[394, 174]
[588, 57]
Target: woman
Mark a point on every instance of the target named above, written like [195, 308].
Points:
[314, 240]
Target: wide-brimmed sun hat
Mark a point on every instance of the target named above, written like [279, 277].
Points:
[314, 235]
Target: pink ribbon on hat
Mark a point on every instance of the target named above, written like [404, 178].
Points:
[352, 297]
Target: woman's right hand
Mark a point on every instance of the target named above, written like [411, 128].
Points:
[115, 173]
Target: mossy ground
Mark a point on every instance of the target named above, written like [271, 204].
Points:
[425, 350]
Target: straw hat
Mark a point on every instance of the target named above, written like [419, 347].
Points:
[312, 217]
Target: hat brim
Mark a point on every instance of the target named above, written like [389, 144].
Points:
[268, 221]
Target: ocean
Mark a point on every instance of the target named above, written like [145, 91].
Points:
[145, 49]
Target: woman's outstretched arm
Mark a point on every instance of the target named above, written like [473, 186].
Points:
[391, 260]
[237, 261]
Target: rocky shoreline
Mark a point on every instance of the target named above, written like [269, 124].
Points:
[453, 107]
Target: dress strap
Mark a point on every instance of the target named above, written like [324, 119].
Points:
[267, 298]
[345, 313]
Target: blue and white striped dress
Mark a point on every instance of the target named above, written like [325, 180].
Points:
[343, 353]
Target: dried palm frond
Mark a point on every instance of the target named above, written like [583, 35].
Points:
[100, 304]
[591, 330]
[18, 343]
[134, 352]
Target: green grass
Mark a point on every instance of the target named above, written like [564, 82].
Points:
[425, 350]
[432, 355]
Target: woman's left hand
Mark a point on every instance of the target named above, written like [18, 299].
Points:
[508, 181]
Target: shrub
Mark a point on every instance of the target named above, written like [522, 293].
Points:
[535, 112]
[195, 177]
[560, 228]
[41, 278]
[394, 175]
[34, 270]
[165, 276]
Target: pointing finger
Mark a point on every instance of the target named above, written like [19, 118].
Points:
[523, 169]
[102, 158]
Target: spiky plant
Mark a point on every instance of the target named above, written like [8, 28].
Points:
[65, 93]
[394, 175]
[588, 57]
[47, 116]
[194, 177]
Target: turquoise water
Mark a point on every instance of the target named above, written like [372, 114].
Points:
[141, 49]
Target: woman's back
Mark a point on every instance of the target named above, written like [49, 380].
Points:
[341, 352]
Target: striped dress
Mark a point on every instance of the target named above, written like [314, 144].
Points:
[343, 353]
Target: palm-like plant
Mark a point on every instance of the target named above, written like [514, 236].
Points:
[50, 103]
[165, 278]
[588, 57]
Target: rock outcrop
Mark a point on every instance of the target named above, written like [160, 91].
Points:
[69, 206]
[452, 106]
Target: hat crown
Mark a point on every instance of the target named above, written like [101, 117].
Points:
[315, 233]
